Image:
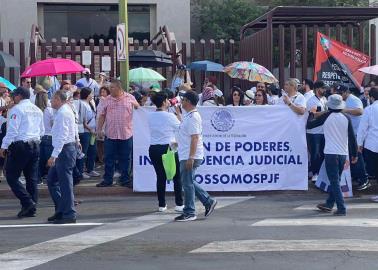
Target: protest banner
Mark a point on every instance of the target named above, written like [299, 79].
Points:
[246, 149]
[338, 63]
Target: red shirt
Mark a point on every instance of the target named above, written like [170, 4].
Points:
[118, 116]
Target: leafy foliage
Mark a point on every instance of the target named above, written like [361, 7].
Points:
[223, 18]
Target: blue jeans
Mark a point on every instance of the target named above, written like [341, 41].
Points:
[121, 150]
[334, 165]
[192, 189]
[316, 148]
[46, 149]
[84, 141]
[60, 181]
[358, 170]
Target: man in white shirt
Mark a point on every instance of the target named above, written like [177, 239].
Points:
[367, 136]
[292, 98]
[315, 137]
[87, 81]
[339, 140]
[308, 85]
[27, 83]
[62, 160]
[21, 143]
[354, 109]
[191, 153]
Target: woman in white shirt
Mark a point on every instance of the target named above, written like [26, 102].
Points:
[237, 97]
[163, 126]
[46, 148]
[87, 132]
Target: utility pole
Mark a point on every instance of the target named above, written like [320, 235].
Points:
[124, 64]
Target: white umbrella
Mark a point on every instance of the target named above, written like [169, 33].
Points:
[370, 70]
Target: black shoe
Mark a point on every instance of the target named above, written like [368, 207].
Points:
[103, 184]
[364, 186]
[184, 218]
[210, 209]
[55, 217]
[339, 213]
[128, 185]
[322, 207]
[65, 221]
[29, 211]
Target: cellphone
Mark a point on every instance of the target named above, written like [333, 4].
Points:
[318, 109]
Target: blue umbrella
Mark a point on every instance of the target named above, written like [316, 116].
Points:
[206, 66]
[7, 83]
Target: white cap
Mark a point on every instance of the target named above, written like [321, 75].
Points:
[87, 71]
[218, 93]
[249, 94]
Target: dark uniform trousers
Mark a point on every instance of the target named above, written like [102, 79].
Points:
[23, 157]
[60, 181]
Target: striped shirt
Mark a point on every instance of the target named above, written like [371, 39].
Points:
[118, 114]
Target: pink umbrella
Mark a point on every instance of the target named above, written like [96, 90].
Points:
[52, 66]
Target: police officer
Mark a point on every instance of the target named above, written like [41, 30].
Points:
[63, 160]
[21, 143]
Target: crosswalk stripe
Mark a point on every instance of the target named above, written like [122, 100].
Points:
[288, 245]
[349, 206]
[328, 221]
[49, 225]
[44, 252]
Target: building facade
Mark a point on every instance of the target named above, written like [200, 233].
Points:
[85, 19]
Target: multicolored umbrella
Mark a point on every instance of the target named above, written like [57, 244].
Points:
[144, 75]
[250, 71]
[51, 67]
[7, 83]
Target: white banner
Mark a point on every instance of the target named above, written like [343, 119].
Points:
[345, 182]
[246, 149]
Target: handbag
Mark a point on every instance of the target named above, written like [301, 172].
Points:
[169, 164]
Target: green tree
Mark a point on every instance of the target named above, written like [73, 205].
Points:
[328, 3]
[224, 18]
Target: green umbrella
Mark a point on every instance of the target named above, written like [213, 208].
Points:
[144, 75]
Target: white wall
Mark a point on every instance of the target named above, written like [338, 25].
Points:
[17, 16]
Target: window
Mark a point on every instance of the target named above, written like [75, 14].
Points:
[93, 21]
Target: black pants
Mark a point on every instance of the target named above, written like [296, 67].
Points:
[155, 152]
[23, 157]
[371, 160]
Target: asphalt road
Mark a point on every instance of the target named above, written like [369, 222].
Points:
[263, 232]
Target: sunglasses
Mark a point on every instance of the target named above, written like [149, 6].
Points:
[236, 94]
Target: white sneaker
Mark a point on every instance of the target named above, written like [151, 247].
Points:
[163, 209]
[314, 178]
[93, 174]
[86, 176]
[117, 175]
[179, 208]
[374, 199]
[22, 180]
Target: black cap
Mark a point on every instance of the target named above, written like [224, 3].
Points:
[341, 88]
[21, 91]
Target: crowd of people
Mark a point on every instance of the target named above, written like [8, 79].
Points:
[56, 132]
